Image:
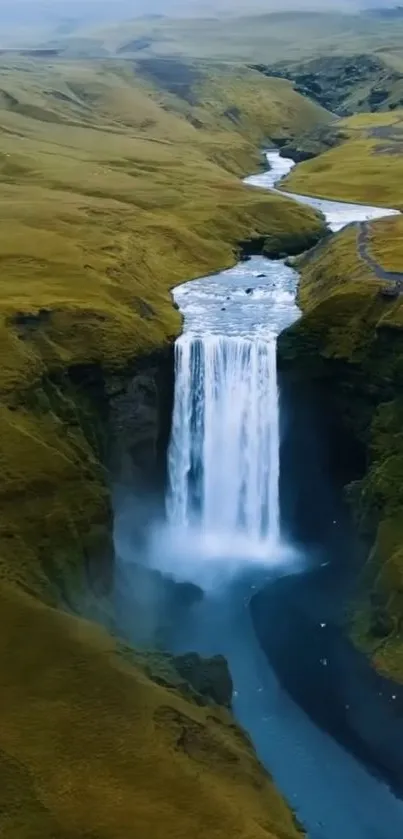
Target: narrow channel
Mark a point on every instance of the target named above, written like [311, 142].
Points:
[224, 530]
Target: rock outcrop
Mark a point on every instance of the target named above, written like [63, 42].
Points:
[350, 343]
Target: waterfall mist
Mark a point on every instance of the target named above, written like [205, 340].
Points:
[223, 506]
[223, 503]
[199, 582]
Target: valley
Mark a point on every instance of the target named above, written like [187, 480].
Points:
[123, 149]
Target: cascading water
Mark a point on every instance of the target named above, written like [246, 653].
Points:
[224, 475]
[224, 453]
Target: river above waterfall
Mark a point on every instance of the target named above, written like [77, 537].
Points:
[337, 213]
[223, 460]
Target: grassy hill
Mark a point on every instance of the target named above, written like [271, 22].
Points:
[265, 37]
[91, 746]
[345, 84]
[114, 186]
[351, 340]
[367, 167]
[111, 193]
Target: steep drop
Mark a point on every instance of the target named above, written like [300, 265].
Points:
[224, 454]
[333, 794]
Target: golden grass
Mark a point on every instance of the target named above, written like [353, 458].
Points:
[353, 337]
[386, 243]
[89, 746]
[109, 196]
[367, 168]
[338, 276]
[338, 268]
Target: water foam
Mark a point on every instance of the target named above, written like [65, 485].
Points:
[224, 453]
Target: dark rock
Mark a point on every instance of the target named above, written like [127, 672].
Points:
[248, 290]
[259, 276]
[149, 604]
[233, 114]
[140, 404]
[210, 677]
[334, 81]
[32, 320]
[390, 292]
[143, 308]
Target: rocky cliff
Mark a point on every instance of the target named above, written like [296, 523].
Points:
[350, 342]
[111, 192]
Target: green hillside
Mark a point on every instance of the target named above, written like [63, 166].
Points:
[114, 186]
[270, 37]
[366, 166]
[350, 340]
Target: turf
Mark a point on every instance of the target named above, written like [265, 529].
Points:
[351, 340]
[112, 190]
[110, 196]
[90, 746]
[367, 167]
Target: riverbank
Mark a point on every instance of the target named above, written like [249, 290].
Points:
[360, 369]
[331, 790]
[109, 195]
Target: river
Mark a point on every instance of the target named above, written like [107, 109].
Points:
[225, 525]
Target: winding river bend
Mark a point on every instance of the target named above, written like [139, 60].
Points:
[225, 528]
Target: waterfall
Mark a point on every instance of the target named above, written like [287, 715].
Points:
[224, 451]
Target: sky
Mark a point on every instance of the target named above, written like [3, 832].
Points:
[37, 12]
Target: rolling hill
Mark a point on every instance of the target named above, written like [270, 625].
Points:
[116, 183]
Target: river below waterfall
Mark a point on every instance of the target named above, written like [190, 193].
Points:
[225, 530]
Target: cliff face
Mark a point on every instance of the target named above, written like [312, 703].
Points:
[350, 342]
[112, 197]
[112, 192]
[90, 744]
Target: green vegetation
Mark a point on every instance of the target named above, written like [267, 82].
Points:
[344, 84]
[366, 167]
[112, 190]
[91, 746]
[109, 197]
[351, 340]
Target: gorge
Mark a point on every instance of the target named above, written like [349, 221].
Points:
[225, 534]
[201, 445]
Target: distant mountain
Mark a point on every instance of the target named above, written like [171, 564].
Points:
[55, 12]
[385, 11]
[36, 21]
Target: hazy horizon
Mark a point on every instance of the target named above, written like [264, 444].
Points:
[38, 22]
[37, 12]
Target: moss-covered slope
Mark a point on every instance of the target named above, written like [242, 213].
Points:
[112, 190]
[365, 166]
[350, 339]
[91, 746]
[344, 84]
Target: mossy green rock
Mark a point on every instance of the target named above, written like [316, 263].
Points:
[350, 341]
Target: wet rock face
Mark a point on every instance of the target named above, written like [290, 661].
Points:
[209, 677]
[282, 245]
[140, 420]
[325, 675]
[149, 604]
[341, 84]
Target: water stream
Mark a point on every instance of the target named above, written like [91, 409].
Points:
[225, 525]
[224, 455]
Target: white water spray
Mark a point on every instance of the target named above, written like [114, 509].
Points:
[224, 453]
